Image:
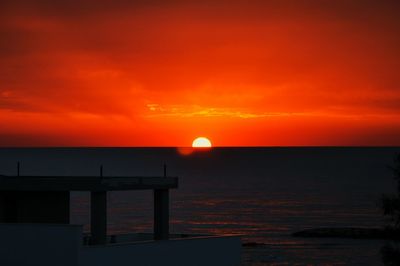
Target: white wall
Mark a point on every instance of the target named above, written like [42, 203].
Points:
[39, 244]
[218, 251]
[61, 245]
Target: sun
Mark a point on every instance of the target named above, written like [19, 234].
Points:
[201, 142]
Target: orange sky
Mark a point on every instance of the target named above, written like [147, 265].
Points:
[160, 73]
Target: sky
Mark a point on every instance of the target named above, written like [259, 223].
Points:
[161, 73]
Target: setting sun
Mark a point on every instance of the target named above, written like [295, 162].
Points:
[265, 70]
[201, 142]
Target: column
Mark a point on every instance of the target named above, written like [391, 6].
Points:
[98, 217]
[161, 214]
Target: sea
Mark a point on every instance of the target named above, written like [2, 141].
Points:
[262, 193]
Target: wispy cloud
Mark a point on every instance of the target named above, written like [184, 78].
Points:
[156, 110]
[188, 111]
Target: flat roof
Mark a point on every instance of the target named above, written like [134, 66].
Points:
[85, 183]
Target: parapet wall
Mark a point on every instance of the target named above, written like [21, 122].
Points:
[40, 244]
[61, 245]
[199, 251]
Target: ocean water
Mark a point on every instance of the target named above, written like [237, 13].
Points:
[264, 194]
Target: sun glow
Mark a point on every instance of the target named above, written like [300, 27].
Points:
[201, 142]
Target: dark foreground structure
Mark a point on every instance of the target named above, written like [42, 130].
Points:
[35, 228]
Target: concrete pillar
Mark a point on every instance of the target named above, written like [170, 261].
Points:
[161, 214]
[98, 217]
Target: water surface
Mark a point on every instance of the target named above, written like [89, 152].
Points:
[264, 194]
